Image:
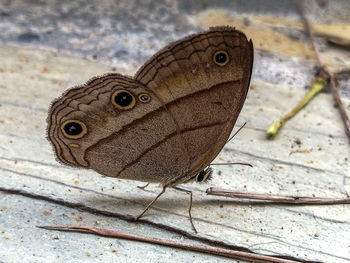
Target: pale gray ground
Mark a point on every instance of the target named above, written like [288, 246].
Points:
[49, 46]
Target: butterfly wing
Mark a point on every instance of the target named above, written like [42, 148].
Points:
[203, 81]
[117, 127]
[195, 90]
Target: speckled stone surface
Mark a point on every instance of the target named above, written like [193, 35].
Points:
[49, 46]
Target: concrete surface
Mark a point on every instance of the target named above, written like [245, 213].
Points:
[49, 46]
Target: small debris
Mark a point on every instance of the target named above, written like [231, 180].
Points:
[297, 141]
[46, 213]
[78, 218]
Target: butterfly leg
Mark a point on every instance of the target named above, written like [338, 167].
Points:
[150, 204]
[143, 187]
[190, 206]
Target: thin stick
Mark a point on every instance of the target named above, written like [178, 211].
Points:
[319, 82]
[317, 85]
[204, 249]
[309, 32]
[324, 67]
[340, 105]
[127, 218]
[296, 200]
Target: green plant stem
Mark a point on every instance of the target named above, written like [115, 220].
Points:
[317, 85]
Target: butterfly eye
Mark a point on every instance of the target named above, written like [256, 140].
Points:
[123, 100]
[73, 129]
[204, 175]
[143, 97]
[221, 58]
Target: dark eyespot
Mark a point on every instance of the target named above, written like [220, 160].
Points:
[123, 99]
[73, 129]
[221, 58]
[143, 97]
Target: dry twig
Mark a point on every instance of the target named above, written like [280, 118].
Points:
[325, 69]
[127, 218]
[319, 82]
[253, 257]
[295, 200]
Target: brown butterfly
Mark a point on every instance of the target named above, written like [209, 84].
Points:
[168, 122]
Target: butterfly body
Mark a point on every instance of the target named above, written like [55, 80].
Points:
[165, 124]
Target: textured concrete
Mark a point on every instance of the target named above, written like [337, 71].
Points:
[49, 46]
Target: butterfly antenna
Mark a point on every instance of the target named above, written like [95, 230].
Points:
[236, 132]
[248, 164]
